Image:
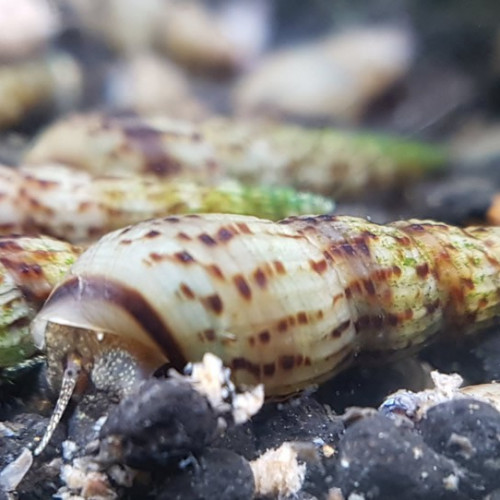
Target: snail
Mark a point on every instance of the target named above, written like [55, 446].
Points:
[194, 35]
[29, 269]
[328, 161]
[41, 84]
[73, 205]
[335, 77]
[287, 304]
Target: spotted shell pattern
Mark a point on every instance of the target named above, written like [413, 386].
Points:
[78, 207]
[288, 303]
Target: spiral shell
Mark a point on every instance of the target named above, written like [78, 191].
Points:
[321, 160]
[29, 268]
[286, 304]
[73, 205]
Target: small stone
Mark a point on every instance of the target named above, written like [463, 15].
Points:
[468, 432]
[164, 421]
[12, 474]
[69, 449]
[83, 480]
[377, 459]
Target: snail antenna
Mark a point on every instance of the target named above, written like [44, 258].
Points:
[70, 377]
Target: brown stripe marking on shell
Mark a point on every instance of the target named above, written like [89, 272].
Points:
[260, 277]
[224, 234]
[337, 332]
[269, 369]
[215, 271]
[319, 266]
[183, 236]
[148, 141]
[264, 336]
[287, 361]
[152, 234]
[302, 318]
[214, 303]
[279, 267]
[243, 227]
[187, 291]
[184, 256]
[11, 245]
[210, 335]
[29, 277]
[130, 301]
[242, 286]
[207, 240]
[242, 363]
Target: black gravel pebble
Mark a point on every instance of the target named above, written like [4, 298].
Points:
[468, 432]
[163, 421]
[216, 474]
[380, 459]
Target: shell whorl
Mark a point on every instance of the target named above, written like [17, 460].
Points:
[328, 161]
[286, 303]
[71, 204]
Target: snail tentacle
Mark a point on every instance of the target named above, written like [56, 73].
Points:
[70, 378]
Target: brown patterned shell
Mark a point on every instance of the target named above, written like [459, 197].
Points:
[119, 144]
[30, 267]
[329, 161]
[286, 304]
[78, 207]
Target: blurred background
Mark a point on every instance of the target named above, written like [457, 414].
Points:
[426, 70]
[412, 66]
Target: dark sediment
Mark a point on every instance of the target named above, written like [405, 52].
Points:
[215, 473]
